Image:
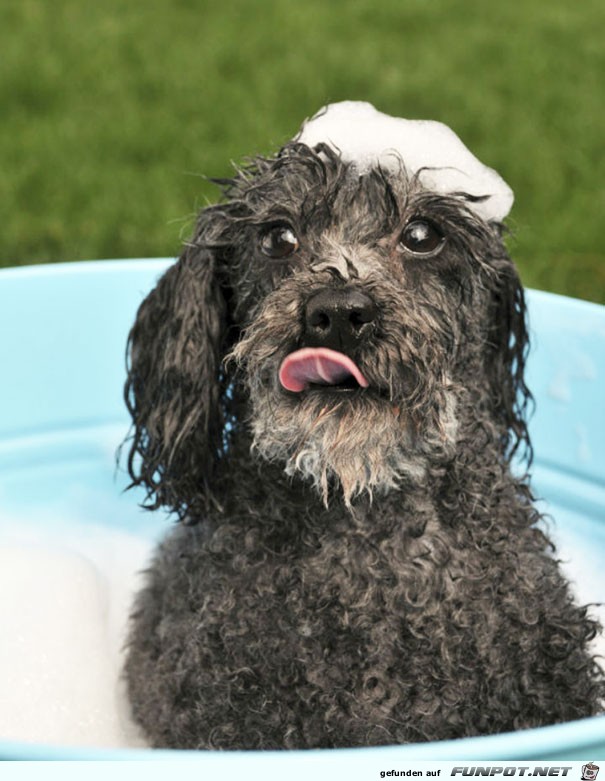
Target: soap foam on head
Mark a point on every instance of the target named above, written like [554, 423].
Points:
[367, 138]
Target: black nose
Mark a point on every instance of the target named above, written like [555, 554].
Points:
[339, 319]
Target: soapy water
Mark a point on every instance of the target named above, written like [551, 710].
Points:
[65, 594]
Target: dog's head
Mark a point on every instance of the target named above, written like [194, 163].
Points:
[354, 326]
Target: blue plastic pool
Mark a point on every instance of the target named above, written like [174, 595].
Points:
[63, 332]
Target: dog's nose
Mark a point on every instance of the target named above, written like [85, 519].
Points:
[339, 319]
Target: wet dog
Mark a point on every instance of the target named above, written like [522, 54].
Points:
[328, 389]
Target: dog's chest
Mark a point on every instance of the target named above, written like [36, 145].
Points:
[336, 602]
[364, 626]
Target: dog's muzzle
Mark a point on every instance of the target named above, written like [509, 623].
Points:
[336, 323]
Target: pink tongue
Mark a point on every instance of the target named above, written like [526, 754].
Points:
[317, 366]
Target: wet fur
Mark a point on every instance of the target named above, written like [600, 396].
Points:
[349, 570]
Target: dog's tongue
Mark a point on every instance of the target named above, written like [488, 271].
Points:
[318, 366]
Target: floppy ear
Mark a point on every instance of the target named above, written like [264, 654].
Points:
[507, 349]
[176, 388]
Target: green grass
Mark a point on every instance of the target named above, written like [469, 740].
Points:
[112, 111]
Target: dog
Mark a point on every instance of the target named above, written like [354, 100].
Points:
[327, 389]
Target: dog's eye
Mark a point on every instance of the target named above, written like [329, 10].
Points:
[279, 241]
[422, 237]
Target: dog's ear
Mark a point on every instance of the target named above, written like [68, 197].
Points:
[176, 390]
[507, 349]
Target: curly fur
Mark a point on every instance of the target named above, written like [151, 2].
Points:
[350, 570]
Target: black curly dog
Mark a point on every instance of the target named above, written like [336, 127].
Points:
[327, 388]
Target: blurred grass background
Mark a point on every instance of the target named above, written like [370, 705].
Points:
[111, 112]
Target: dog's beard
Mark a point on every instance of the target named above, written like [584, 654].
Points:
[361, 443]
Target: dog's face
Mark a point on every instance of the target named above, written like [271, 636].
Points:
[364, 321]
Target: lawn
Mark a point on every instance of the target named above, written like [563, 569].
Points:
[112, 112]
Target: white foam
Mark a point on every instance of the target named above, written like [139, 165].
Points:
[367, 137]
[65, 595]
[582, 563]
